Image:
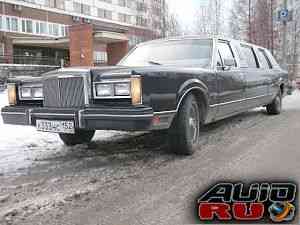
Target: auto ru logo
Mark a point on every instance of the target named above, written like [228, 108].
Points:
[256, 202]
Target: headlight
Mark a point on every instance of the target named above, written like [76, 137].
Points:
[25, 92]
[122, 89]
[37, 92]
[12, 94]
[31, 92]
[104, 90]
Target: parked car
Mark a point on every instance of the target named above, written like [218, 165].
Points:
[176, 84]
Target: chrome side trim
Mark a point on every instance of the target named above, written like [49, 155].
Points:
[240, 100]
[110, 81]
[110, 115]
[13, 113]
[165, 112]
[52, 114]
[182, 97]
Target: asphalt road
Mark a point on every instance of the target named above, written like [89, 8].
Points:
[130, 179]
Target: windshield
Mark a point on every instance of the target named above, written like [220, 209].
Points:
[191, 52]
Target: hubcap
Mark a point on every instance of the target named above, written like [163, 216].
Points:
[194, 123]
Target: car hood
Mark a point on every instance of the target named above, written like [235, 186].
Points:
[122, 71]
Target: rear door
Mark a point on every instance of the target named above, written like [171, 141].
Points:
[231, 81]
[257, 76]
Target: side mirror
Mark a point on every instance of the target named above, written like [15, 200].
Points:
[228, 63]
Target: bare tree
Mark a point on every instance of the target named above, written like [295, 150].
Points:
[208, 18]
[240, 19]
[163, 20]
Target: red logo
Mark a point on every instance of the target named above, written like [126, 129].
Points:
[256, 202]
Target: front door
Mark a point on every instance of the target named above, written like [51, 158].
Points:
[231, 82]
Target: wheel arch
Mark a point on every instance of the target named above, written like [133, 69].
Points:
[199, 90]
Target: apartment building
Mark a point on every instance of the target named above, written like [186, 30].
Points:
[42, 31]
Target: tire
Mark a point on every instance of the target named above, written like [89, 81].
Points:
[275, 107]
[80, 137]
[184, 132]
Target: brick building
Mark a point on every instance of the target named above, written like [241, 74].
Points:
[76, 32]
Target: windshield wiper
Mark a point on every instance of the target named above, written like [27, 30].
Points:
[154, 63]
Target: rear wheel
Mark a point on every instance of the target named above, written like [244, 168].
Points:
[80, 137]
[275, 107]
[184, 132]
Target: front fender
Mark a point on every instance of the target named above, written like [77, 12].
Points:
[191, 86]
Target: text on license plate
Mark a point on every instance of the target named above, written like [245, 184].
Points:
[55, 126]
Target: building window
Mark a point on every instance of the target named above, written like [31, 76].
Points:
[86, 9]
[14, 24]
[29, 28]
[43, 28]
[2, 49]
[141, 6]
[23, 26]
[82, 8]
[141, 21]
[7, 23]
[77, 7]
[124, 18]
[100, 57]
[105, 14]
[63, 31]
[50, 28]
[37, 28]
[55, 30]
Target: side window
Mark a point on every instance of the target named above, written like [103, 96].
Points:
[225, 51]
[249, 56]
[263, 59]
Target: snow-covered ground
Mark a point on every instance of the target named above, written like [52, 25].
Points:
[20, 146]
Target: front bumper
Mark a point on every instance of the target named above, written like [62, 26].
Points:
[137, 119]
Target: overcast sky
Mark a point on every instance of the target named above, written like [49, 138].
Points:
[185, 9]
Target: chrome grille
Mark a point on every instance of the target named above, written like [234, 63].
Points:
[66, 92]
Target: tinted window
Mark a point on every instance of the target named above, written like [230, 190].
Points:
[249, 56]
[225, 50]
[192, 52]
[263, 60]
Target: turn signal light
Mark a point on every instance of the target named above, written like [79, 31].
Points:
[12, 94]
[136, 90]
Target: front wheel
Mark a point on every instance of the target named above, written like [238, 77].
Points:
[184, 132]
[275, 107]
[80, 137]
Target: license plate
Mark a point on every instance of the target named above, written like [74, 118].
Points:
[66, 127]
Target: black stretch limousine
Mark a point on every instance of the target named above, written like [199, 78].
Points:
[172, 84]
